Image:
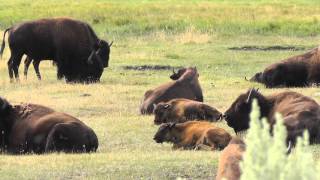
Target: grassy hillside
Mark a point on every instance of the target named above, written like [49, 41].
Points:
[154, 32]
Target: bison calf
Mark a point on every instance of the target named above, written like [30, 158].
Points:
[186, 86]
[299, 113]
[182, 110]
[193, 135]
[28, 128]
[229, 161]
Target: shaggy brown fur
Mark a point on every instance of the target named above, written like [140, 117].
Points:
[182, 110]
[298, 71]
[187, 86]
[299, 113]
[193, 135]
[34, 128]
[229, 161]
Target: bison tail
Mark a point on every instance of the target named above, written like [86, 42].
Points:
[3, 42]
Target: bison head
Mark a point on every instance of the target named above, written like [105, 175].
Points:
[177, 75]
[104, 52]
[258, 77]
[274, 75]
[161, 112]
[165, 134]
[5, 108]
[94, 68]
[237, 116]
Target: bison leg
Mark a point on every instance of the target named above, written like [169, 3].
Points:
[13, 65]
[36, 68]
[27, 62]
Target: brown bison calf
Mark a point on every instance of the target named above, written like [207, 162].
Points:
[186, 86]
[28, 128]
[182, 110]
[229, 161]
[298, 71]
[299, 113]
[193, 135]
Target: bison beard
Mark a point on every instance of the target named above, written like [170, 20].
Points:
[31, 128]
[80, 55]
[299, 113]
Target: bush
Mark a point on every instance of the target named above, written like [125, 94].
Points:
[265, 156]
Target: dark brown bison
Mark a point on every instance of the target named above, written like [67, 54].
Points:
[229, 161]
[297, 71]
[299, 113]
[187, 86]
[35, 63]
[193, 135]
[80, 55]
[32, 128]
[182, 110]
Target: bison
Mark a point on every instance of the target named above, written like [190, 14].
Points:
[80, 55]
[299, 113]
[32, 128]
[229, 161]
[193, 135]
[297, 71]
[187, 86]
[182, 110]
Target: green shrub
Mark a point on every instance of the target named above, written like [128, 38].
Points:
[265, 156]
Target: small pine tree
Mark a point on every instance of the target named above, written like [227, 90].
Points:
[265, 156]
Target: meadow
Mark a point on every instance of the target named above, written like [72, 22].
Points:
[152, 32]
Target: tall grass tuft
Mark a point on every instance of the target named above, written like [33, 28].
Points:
[265, 156]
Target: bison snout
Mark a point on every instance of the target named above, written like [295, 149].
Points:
[157, 139]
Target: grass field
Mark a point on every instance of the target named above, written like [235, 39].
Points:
[152, 32]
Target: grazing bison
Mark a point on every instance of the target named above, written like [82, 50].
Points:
[193, 135]
[229, 161]
[28, 128]
[80, 55]
[299, 113]
[187, 86]
[297, 71]
[182, 110]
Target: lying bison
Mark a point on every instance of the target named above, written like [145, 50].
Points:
[182, 110]
[187, 86]
[80, 55]
[229, 161]
[31, 128]
[193, 135]
[297, 71]
[299, 113]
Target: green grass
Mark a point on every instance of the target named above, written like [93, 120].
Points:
[171, 32]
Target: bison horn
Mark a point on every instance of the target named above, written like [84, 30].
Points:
[173, 71]
[250, 94]
[90, 57]
[289, 148]
[246, 78]
[166, 106]
[154, 106]
[111, 44]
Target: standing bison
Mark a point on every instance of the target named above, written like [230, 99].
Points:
[186, 86]
[182, 110]
[79, 54]
[298, 71]
[28, 128]
[299, 113]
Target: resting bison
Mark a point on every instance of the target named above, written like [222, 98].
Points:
[299, 113]
[187, 86]
[193, 135]
[182, 110]
[229, 161]
[80, 55]
[28, 128]
[297, 71]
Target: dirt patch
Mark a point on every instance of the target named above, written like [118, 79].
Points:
[150, 67]
[267, 48]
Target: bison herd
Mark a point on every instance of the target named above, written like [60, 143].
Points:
[183, 118]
